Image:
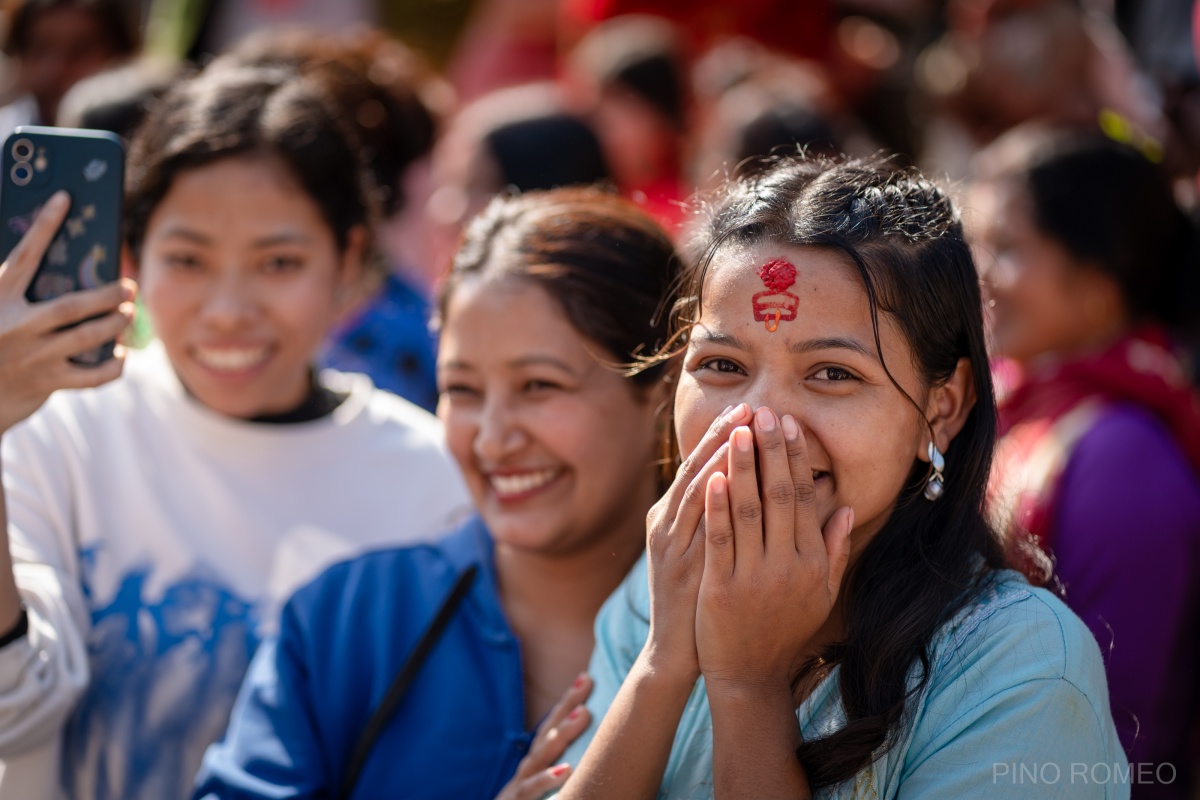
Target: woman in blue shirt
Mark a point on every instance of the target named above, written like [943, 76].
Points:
[823, 561]
[551, 297]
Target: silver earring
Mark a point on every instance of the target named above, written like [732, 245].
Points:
[936, 484]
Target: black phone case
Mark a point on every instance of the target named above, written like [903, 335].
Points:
[86, 253]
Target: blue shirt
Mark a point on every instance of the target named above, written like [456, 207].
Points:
[458, 733]
[390, 341]
[1016, 706]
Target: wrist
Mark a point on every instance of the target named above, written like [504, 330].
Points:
[662, 671]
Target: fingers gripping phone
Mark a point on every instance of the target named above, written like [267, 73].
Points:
[86, 252]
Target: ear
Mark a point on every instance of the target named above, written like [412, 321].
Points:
[948, 407]
[348, 289]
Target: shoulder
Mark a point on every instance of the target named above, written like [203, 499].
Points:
[382, 409]
[1126, 435]
[1127, 456]
[79, 414]
[1014, 636]
[392, 582]
[1023, 629]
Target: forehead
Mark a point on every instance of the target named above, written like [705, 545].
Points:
[830, 303]
[507, 317]
[823, 282]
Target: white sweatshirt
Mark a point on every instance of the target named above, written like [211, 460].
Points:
[154, 541]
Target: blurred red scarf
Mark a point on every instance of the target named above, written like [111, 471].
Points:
[1051, 407]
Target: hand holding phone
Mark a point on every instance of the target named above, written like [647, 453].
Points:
[84, 252]
[38, 340]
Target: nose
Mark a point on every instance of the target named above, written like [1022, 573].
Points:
[500, 433]
[229, 303]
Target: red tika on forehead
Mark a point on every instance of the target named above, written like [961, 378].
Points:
[776, 303]
[778, 274]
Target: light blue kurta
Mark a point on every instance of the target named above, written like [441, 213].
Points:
[1016, 706]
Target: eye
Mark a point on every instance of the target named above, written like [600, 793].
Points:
[834, 374]
[283, 263]
[721, 365]
[182, 261]
[460, 390]
[537, 385]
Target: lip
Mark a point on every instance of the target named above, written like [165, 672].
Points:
[232, 361]
[515, 486]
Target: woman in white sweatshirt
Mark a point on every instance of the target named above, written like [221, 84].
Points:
[156, 522]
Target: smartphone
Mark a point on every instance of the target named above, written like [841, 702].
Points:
[86, 252]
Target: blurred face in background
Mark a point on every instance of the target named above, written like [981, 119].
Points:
[243, 279]
[65, 45]
[1041, 299]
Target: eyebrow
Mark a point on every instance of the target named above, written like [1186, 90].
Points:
[290, 237]
[797, 348]
[525, 361]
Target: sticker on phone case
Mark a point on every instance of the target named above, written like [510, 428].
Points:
[21, 223]
[57, 254]
[75, 227]
[95, 170]
[89, 268]
[50, 285]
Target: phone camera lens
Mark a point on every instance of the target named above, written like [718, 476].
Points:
[22, 149]
[21, 173]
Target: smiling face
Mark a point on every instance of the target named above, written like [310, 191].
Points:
[242, 278]
[557, 448]
[822, 368]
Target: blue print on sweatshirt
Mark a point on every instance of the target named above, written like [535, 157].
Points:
[164, 677]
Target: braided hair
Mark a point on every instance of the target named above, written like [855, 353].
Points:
[903, 236]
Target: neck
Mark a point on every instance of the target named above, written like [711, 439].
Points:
[542, 591]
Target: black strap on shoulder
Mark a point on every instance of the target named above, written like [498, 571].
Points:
[403, 680]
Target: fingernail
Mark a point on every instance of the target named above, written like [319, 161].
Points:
[790, 429]
[58, 199]
[560, 770]
[725, 413]
[575, 712]
[739, 411]
[127, 310]
[765, 419]
[743, 439]
[579, 681]
[718, 484]
[850, 524]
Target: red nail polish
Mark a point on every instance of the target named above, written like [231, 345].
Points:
[560, 770]
[575, 712]
[579, 682]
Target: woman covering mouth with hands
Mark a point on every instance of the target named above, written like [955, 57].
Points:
[822, 561]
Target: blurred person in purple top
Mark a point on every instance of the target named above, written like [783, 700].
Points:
[1091, 271]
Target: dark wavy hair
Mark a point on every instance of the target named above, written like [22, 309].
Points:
[239, 111]
[904, 238]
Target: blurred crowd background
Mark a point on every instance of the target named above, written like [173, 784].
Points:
[656, 97]
[455, 101]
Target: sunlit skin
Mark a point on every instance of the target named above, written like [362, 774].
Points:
[821, 368]
[243, 279]
[1041, 299]
[746, 553]
[65, 46]
[557, 447]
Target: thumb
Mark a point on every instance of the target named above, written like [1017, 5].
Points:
[837, 545]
